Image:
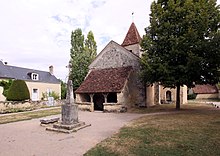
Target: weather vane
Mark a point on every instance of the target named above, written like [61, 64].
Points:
[132, 16]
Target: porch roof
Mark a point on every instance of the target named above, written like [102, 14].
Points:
[105, 80]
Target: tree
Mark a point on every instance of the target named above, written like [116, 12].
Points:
[90, 47]
[18, 91]
[63, 90]
[82, 54]
[182, 44]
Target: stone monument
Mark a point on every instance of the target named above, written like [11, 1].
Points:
[69, 120]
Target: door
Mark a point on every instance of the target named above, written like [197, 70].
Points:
[98, 100]
[35, 95]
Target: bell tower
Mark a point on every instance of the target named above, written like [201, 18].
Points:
[132, 40]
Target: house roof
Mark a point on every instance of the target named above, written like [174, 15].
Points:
[105, 80]
[12, 72]
[132, 37]
[205, 89]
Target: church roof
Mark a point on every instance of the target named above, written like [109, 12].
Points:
[105, 80]
[205, 89]
[132, 37]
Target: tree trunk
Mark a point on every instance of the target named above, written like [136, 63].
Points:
[178, 97]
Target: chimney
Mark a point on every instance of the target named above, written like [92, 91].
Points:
[51, 70]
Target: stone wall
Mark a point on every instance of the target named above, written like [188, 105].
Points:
[113, 56]
[9, 106]
[150, 95]
[114, 107]
[207, 96]
[135, 48]
[183, 94]
[86, 106]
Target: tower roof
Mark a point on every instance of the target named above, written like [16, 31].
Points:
[132, 36]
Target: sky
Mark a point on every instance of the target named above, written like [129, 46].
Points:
[36, 33]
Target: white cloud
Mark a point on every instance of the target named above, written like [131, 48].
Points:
[36, 33]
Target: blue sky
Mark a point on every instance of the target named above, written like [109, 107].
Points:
[36, 33]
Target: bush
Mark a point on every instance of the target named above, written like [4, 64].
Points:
[54, 95]
[191, 96]
[51, 94]
[18, 91]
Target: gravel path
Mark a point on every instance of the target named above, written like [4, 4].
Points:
[28, 138]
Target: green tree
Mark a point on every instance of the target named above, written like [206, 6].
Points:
[63, 90]
[82, 54]
[90, 47]
[18, 91]
[182, 44]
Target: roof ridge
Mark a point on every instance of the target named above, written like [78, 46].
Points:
[26, 68]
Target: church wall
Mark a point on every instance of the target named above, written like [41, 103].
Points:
[150, 95]
[131, 95]
[163, 96]
[114, 56]
[183, 94]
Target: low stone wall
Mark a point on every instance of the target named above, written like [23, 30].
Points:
[85, 106]
[114, 107]
[207, 96]
[13, 106]
[108, 107]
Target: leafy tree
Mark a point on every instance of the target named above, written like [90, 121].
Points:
[82, 54]
[182, 44]
[18, 91]
[63, 90]
[6, 85]
[90, 47]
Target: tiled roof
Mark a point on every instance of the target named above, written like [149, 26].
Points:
[105, 80]
[205, 89]
[12, 72]
[132, 37]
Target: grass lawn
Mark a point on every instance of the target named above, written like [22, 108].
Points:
[192, 131]
[28, 115]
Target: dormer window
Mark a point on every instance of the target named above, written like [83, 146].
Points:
[34, 76]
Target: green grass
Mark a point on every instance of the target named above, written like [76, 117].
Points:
[194, 131]
[28, 115]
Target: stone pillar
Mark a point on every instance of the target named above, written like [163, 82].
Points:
[105, 96]
[69, 109]
[92, 103]
[91, 97]
[156, 94]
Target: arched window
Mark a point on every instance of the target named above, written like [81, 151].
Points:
[168, 96]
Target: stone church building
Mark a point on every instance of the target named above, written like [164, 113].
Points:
[113, 82]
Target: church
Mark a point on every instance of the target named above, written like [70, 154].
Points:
[113, 82]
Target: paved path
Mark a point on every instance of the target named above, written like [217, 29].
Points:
[28, 138]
